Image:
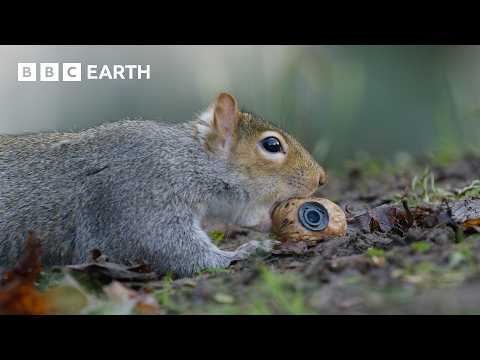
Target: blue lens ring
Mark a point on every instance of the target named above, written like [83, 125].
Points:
[313, 216]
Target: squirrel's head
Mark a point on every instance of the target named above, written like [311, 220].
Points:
[276, 166]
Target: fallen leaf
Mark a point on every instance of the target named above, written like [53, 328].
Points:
[101, 268]
[465, 212]
[383, 218]
[18, 294]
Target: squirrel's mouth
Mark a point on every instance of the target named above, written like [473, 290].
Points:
[265, 224]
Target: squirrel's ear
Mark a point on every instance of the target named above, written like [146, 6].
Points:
[225, 115]
[218, 124]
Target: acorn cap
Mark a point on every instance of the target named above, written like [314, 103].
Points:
[308, 219]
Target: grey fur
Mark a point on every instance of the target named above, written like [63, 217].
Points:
[133, 189]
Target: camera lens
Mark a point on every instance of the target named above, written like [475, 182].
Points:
[313, 216]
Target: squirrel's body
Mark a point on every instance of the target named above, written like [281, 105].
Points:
[136, 190]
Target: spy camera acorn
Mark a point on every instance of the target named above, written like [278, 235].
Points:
[308, 219]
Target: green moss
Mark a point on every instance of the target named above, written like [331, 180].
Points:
[472, 190]
[423, 190]
[375, 252]
[217, 236]
[163, 296]
[421, 247]
[280, 293]
[270, 293]
[213, 271]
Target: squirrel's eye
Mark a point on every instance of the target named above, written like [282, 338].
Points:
[272, 144]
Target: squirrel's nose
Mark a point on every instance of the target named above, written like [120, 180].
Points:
[322, 177]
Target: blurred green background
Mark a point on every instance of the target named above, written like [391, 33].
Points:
[344, 102]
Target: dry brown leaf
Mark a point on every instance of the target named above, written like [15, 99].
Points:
[18, 294]
[101, 268]
[384, 218]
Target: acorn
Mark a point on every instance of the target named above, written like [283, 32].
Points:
[308, 219]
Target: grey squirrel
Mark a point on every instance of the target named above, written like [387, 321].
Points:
[140, 189]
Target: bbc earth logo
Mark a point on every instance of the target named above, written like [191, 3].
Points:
[72, 72]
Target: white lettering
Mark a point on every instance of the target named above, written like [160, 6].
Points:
[146, 72]
[49, 72]
[118, 71]
[92, 72]
[27, 72]
[130, 70]
[73, 72]
[105, 73]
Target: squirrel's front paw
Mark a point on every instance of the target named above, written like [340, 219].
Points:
[254, 247]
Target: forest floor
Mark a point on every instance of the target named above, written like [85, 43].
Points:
[408, 250]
